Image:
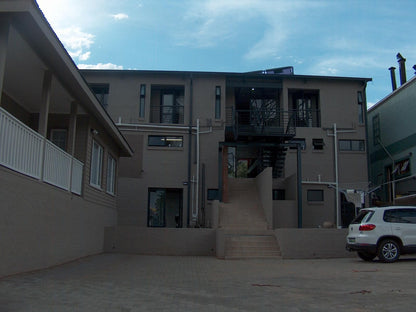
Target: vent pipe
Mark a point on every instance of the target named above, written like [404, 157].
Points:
[414, 67]
[393, 77]
[402, 68]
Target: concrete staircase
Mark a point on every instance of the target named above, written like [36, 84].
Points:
[244, 224]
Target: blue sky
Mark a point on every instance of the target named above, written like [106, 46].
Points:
[329, 37]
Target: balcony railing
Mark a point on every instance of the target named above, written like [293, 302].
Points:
[167, 114]
[306, 118]
[260, 122]
[27, 152]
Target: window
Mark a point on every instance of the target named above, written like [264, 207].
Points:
[167, 104]
[360, 107]
[405, 215]
[213, 194]
[315, 195]
[165, 141]
[111, 174]
[59, 137]
[376, 129]
[142, 100]
[352, 145]
[101, 92]
[165, 208]
[402, 168]
[217, 102]
[305, 108]
[279, 194]
[318, 144]
[96, 164]
[302, 143]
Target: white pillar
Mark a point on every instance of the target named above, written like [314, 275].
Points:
[45, 102]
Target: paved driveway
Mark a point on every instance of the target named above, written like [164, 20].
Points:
[116, 282]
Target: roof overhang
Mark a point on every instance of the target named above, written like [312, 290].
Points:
[30, 21]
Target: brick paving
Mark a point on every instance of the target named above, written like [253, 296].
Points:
[119, 282]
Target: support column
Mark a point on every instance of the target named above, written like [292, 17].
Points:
[225, 174]
[44, 104]
[4, 42]
[72, 128]
[299, 180]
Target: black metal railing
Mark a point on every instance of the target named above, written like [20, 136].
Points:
[261, 122]
[306, 118]
[167, 114]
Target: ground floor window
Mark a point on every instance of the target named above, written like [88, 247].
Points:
[165, 208]
[315, 195]
[111, 174]
[96, 164]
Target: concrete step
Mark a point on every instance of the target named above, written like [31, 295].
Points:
[242, 246]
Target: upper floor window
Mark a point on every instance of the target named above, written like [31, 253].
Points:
[59, 138]
[352, 145]
[217, 102]
[101, 92]
[315, 195]
[142, 100]
[360, 107]
[376, 129]
[305, 108]
[167, 105]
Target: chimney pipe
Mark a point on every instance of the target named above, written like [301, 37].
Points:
[402, 68]
[414, 67]
[393, 78]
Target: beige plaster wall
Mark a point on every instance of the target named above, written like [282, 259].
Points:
[42, 225]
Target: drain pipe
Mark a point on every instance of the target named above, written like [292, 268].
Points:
[195, 204]
[189, 150]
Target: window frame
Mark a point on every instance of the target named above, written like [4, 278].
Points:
[96, 179]
[351, 145]
[60, 131]
[142, 101]
[318, 144]
[165, 138]
[111, 174]
[102, 96]
[217, 102]
[311, 198]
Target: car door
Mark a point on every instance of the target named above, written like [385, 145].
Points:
[404, 225]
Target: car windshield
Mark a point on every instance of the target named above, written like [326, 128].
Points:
[360, 217]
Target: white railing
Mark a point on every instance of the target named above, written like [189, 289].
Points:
[26, 151]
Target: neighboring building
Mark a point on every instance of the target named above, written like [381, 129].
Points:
[59, 150]
[392, 143]
[193, 133]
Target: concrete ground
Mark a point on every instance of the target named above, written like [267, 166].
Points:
[120, 282]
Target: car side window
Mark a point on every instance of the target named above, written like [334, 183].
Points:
[400, 216]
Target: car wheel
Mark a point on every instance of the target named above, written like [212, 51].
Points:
[388, 251]
[366, 256]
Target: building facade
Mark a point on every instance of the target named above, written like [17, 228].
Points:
[392, 144]
[59, 149]
[194, 134]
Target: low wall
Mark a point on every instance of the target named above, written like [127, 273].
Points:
[160, 241]
[312, 243]
[42, 226]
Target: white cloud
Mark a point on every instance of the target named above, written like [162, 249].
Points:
[76, 42]
[100, 66]
[120, 16]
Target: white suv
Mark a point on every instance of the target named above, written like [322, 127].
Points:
[386, 232]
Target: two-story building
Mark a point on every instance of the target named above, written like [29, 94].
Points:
[59, 149]
[392, 142]
[198, 135]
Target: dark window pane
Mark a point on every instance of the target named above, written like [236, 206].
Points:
[315, 195]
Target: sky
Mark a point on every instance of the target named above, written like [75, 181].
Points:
[348, 38]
